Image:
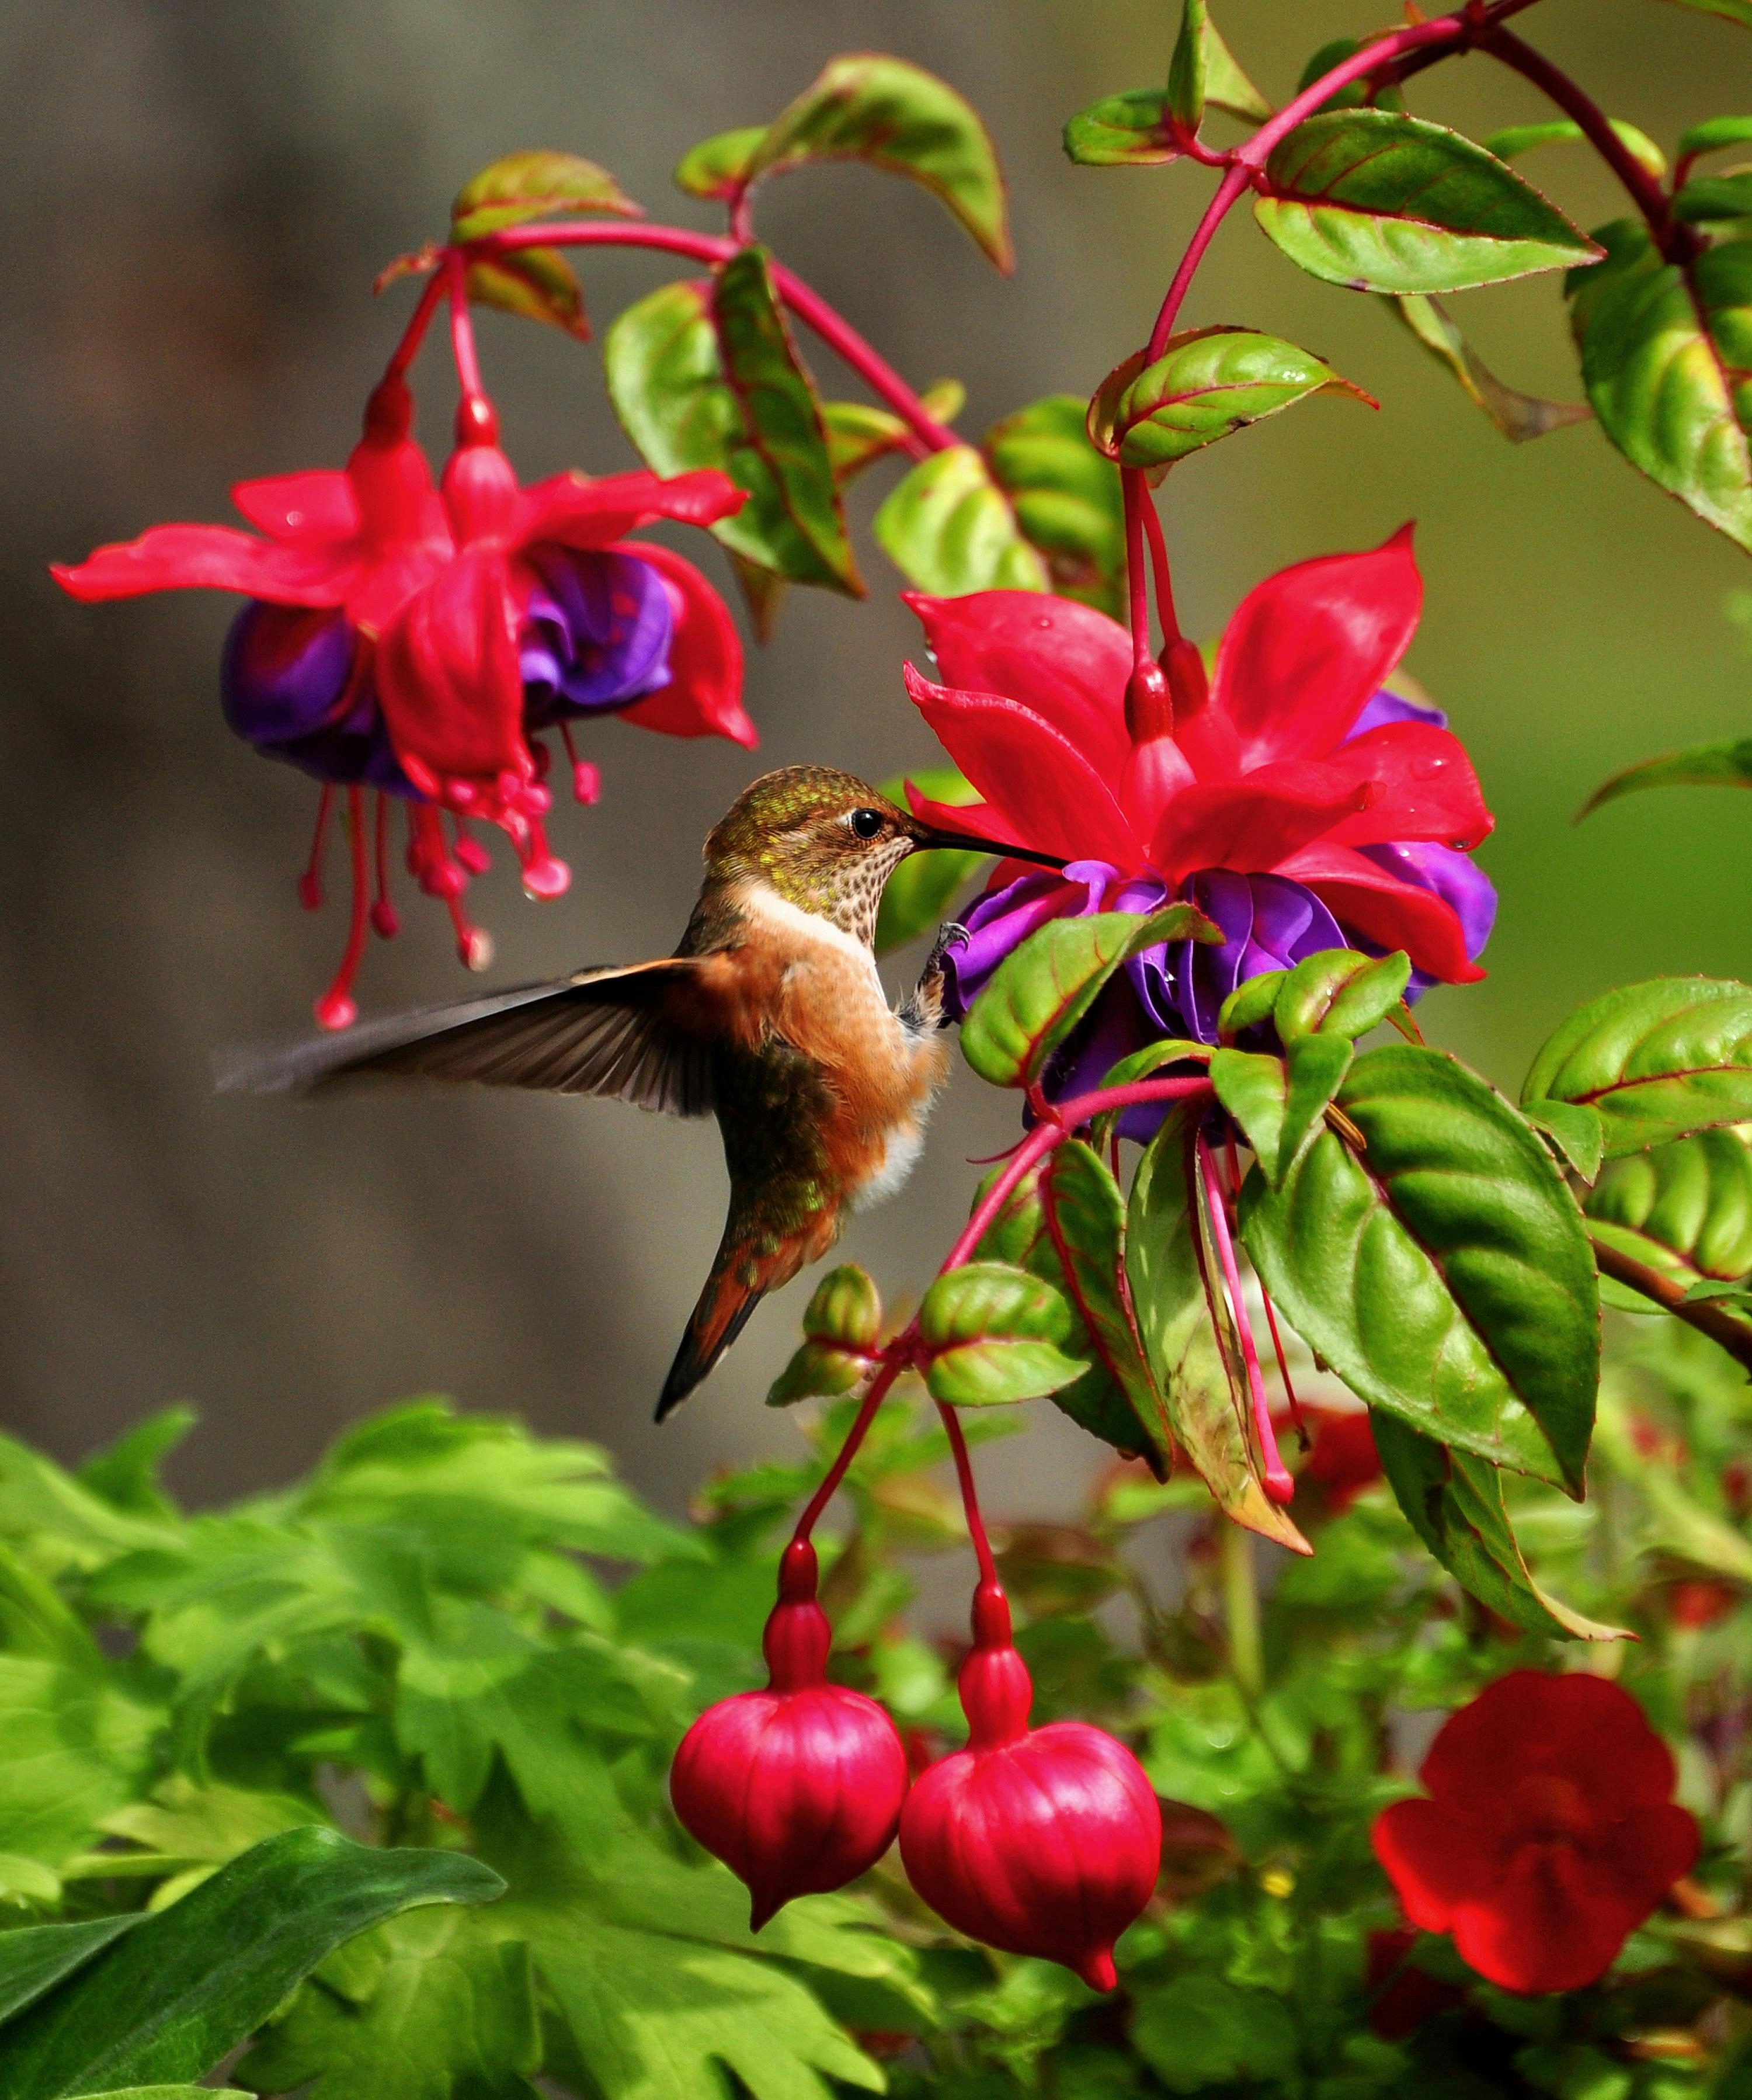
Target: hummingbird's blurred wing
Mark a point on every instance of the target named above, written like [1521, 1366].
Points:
[617, 1033]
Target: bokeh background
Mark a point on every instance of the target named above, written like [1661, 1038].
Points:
[199, 194]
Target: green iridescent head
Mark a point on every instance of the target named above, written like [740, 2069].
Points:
[824, 840]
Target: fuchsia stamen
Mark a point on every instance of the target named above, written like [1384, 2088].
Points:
[383, 918]
[1278, 1484]
[310, 882]
[335, 1008]
[470, 851]
[587, 782]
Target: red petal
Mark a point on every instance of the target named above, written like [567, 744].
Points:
[1576, 1726]
[448, 675]
[1062, 661]
[576, 512]
[1434, 1860]
[1038, 782]
[704, 696]
[1253, 826]
[1397, 914]
[978, 819]
[1555, 1923]
[1427, 787]
[1644, 1853]
[212, 558]
[1309, 646]
[297, 506]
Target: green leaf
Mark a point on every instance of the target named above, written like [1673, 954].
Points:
[1559, 131]
[1203, 71]
[718, 167]
[177, 1994]
[1444, 1275]
[920, 891]
[1518, 416]
[534, 185]
[1715, 198]
[1674, 1522]
[1339, 992]
[1713, 134]
[951, 529]
[859, 434]
[126, 1475]
[1082, 1248]
[1577, 1132]
[891, 114]
[707, 376]
[1042, 989]
[1280, 1102]
[1209, 383]
[1658, 1060]
[1250, 1004]
[992, 1330]
[1128, 130]
[1198, 2033]
[1355, 93]
[1454, 1504]
[1065, 498]
[451, 2015]
[1185, 1325]
[72, 1750]
[1665, 350]
[1727, 764]
[841, 1327]
[36, 1958]
[1382, 202]
[1683, 1209]
[1730, 11]
[535, 284]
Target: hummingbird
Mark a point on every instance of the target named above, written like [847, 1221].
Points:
[770, 1015]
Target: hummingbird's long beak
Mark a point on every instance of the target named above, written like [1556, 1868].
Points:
[928, 839]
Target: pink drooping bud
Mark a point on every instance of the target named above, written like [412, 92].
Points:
[797, 1788]
[1043, 1840]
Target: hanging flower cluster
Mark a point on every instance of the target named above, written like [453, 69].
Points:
[416, 640]
[1297, 799]
[1550, 1834]
[1045, 1841]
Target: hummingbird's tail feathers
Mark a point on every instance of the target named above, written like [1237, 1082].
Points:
[740, 1277]
[607, 1032]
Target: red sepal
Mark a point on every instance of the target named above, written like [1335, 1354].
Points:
[704, 696]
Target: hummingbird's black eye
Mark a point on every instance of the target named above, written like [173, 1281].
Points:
[866, 823]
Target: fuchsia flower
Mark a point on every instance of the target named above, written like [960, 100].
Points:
[417, 640]
[1043, 1840]
[1550, 1832]
[1297, 800]
[797, 1788]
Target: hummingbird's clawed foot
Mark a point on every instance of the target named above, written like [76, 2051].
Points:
[925, 1011]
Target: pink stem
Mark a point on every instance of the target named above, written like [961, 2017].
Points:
[1137, 585]
[419, 321]
[1278, 1484]
[1161, 571]
[1676, 241]
[809, 305]
[982, 1545]
[462, 328]
[899, 1353]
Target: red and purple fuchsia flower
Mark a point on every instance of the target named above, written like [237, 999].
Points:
[415, 642]
[1297, 798]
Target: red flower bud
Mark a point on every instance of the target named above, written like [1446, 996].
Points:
[797, 1788]
[1043, 1841]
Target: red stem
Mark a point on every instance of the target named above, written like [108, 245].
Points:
[462, 326]
[809, 305]
[982, 1545]
[418, 322]
[899, 1353]
[1137, 593]
[1160, 569]
[1676, 241]
[1278, 1484]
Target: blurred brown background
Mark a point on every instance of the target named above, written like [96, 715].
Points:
[198, 195]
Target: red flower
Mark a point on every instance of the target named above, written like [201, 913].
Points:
[797, 1788]
[1043, 1841]
[362, 539]
[449, 665]
[1342, 1458]
[1550, 1834]
[1402, 1996]
[1261, 774]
